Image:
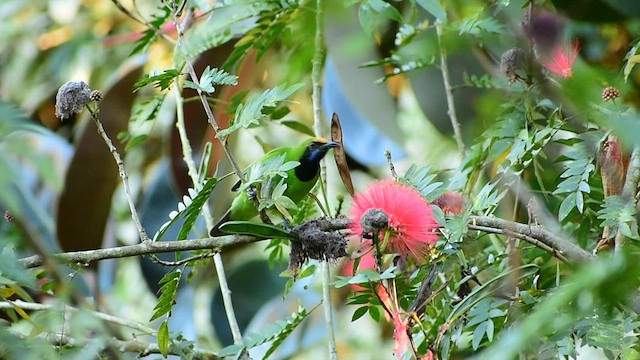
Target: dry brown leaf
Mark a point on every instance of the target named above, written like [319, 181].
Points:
[339, 154]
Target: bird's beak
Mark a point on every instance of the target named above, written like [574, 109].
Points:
[330, 144]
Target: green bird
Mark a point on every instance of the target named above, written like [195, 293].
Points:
[300, 179]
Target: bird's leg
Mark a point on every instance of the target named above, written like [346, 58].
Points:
[286, 225]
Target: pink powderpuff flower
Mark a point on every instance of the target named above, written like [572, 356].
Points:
[400, 335]
[450, 203]
[411, 223]
[401, 339]
[562, 59]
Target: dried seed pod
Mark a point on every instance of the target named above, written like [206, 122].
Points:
[72, 97]
[374, 220]
[510, 62]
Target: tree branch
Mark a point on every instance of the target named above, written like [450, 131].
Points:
[153, 247]
[125, 346]
[536, 235]
[563, 249]
[102, 316]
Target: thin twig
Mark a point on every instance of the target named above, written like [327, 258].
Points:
[102, 316]
[186, 260]
[206, 212]
[123, 175]
[629, 191]
[193, 173]
[317, 126]
[392, 168]
[207, 108]
[444, 68]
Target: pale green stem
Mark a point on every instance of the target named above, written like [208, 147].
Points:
[317, 126]
[206, 212]
[444, 68]
[123, 175]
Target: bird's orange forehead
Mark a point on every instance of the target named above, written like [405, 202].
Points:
[320, 140]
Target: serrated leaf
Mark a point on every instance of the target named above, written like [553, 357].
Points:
[163, 80]
[163, 338]
[276, 333]
[422, 180]
[212, 77]
[225, 22]
[256, 229]
[168, 292]
[251, 112]
[147, 109]
[267, 29]
[189, 213]
[151, 33]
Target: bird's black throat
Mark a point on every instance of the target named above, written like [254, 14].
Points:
[307, 170]
[310, 160]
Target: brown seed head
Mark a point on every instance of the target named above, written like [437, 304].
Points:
[610, 93]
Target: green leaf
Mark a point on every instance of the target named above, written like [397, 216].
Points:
[147, 109]
[631, 60]
[163, 338]
[135, 141]
[151, 33]
[163, 80]
[566, 206]
[434, 8]
[10, 269]
[385, 10]
[275, 333]
[225, 22]
[374, 312]
[211, 77]
[256, 229]
[168, 293]
[478, 334]
[267, 28]
[298, 126]
[252, 111]
[359, 313]
[422, 180]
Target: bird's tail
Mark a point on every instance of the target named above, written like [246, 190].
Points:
[216, 228]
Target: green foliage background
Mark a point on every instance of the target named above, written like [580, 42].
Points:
[533, 155]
